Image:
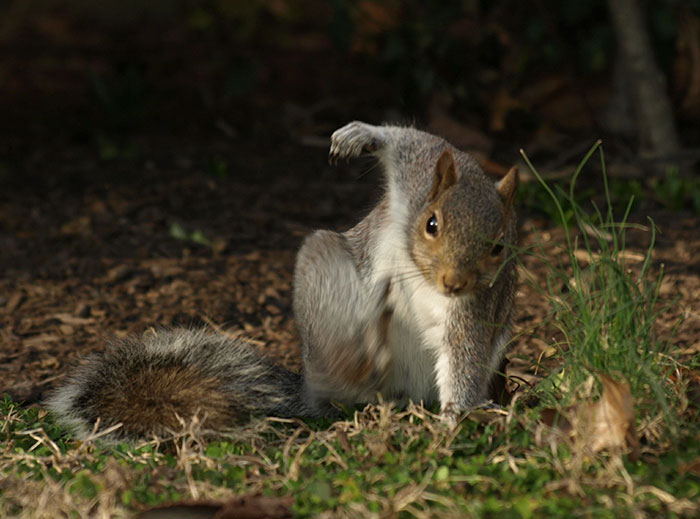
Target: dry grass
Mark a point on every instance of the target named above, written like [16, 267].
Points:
[380, 463]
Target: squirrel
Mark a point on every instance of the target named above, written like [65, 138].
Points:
[414, 302]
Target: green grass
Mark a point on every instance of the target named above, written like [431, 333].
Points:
[378, 464]
[383, 462]
[604, 307]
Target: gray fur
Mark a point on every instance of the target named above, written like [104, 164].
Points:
[464, 343]
[254, 384]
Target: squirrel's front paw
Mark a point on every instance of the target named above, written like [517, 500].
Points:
[353, 139]
[450, 415]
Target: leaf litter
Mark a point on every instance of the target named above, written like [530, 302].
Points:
[607, 423]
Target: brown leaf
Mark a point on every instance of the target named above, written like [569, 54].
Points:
[184, 510]
[343, 439]
[78, 226]
[71, 320]
[40, 340]
[119, 273]
[691, 466]
[609, 422]
[688, 377]
[257, 507]
[245, 507]
[15, 301]
[377, 446]
[553, 418]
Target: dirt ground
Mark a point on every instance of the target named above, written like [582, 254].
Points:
[193, 216]
[79, 264]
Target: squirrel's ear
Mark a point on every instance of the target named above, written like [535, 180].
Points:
[445, 175]
[507, 186]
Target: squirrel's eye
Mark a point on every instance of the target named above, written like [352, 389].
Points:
[431, 227]
[497, 249]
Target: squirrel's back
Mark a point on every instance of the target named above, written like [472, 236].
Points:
[149, 384]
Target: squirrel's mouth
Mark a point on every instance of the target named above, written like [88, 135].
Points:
[454, 283]
[456, 293]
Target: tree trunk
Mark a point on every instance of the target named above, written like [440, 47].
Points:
[656, 128]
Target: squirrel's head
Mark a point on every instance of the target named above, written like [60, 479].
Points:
[460, 238]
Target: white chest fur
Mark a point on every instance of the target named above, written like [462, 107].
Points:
[417, 327]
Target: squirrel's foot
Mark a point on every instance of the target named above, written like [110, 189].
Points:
[450, 415]
[355, 138]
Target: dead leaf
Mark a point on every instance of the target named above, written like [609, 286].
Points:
[40, 340]
[49, 362]
[690, 378]
[377, 446]
[553, 418]
[343, 439]
[82, 310]
[257, 507]
[185, 510]
[81, 226]
[586, 256]
[244, 507]
[609, 422]
[691, 466]
[72, 320]
[66, 329]
[15, 301]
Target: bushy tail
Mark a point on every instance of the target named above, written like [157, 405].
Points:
[149, 384]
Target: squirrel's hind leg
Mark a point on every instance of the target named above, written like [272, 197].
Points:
[342, 321]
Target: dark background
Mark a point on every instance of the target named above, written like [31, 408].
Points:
[121, 83]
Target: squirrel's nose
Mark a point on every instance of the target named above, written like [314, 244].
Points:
[450, 285]
[453, 283]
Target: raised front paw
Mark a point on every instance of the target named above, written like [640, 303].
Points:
[353, 139]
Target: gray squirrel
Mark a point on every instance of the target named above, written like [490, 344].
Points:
[414, 302]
